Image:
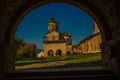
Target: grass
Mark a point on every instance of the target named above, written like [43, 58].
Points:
[77, 57]
[58, 61]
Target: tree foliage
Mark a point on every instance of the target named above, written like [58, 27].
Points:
[24, 52]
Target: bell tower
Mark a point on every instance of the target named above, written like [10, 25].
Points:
[96, 29]
[52, 25]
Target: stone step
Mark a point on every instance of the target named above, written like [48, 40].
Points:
[90, 77]
[63, 75]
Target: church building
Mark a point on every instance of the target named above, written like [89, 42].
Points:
[55, 42]
[91, 44]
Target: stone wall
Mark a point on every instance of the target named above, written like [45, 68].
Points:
[91, 45]
[54, 47]
[52, 36]
[69, 49]
[65, 49]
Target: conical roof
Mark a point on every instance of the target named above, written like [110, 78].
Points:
[66, 33]
[53, 20]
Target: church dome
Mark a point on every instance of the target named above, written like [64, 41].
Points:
[53, 20]
[66, 33]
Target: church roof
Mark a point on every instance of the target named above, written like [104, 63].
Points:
[89, 37]
[53, 20]
[56, 41]
[66, 33]
[50, 32]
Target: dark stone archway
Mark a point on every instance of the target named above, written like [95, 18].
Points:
[104, 12]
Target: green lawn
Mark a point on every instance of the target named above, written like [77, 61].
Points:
[77, 58]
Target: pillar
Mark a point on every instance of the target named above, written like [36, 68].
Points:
[106, 56]
[116, 57]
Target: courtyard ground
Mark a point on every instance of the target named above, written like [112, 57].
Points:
[71, 61]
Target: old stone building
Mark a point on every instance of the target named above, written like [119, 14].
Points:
[56, 43]
[91, 44]
[106, 13]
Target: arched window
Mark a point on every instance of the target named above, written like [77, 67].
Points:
[50, 53]
[59, 52]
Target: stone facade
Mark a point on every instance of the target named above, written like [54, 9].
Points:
[56, 43]
[90, 44]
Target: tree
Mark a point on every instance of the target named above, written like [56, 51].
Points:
[25, 50]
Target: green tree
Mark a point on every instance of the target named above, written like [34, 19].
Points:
[31, 52]
[24, 51]
[19, 52]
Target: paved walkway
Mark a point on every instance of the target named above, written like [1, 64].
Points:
[64, 69]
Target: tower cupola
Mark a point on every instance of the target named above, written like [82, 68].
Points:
[52, 25]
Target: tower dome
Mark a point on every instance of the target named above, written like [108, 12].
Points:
[66, 33]
[53, 20]
[52, 25]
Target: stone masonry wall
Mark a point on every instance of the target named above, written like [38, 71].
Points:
[54, 47]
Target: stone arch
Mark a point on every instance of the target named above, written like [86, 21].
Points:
[25, 6]
[50, 53]
[59, 52]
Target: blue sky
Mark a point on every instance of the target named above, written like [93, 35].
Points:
[71, 18]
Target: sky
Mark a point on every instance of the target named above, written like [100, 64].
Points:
[34, 26]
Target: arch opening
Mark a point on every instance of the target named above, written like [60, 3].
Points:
[59, 52]
[50, 52]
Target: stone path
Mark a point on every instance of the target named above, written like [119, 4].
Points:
[63, 69]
